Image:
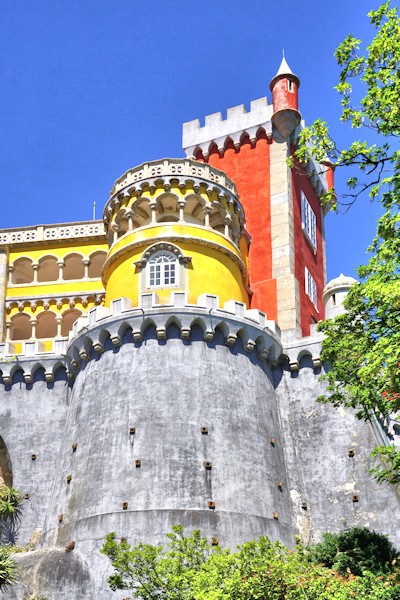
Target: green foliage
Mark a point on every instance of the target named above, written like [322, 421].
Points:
[10, 511]
[10, 514]
[7, 568]
[191, 569]
[375, 77]
[152, 573]
[362, 346]
[355, 550]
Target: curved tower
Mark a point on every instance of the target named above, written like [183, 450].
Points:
[172, 416]
[284, 87]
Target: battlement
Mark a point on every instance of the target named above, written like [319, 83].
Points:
[104, 326]
[218, 130]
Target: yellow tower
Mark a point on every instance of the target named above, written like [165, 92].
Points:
[175, 225]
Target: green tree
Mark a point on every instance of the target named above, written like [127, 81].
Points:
[191, 569]
[356, 550]
[362, 346]
[152, 573]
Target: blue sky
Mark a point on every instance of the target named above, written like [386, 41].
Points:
[90, 88]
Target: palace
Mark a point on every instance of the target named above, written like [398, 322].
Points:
[162, 365]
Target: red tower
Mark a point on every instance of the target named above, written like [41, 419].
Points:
[284, 216]
[285, 100]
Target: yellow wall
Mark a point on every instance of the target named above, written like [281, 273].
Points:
[59, 250]
[210, 271]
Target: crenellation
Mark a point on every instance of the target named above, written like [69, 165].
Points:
[217, 130]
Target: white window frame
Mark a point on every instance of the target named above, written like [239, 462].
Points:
[310, 286]
[162, 273]
[308, 222]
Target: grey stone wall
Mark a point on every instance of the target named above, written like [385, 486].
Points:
[32, 423]
[147, 400]
[167, 391]
[317, 441]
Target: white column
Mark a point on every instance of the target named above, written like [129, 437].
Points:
[181, 205]
[153, 207]
[115, 229]
[33, 323]
[10, 272]
[227, 223]
[35, 267]
[207, 210]
[60, 265]
[59, 321]
[129, 214]
[86, 263]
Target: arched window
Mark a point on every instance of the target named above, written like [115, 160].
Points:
[69, 318]
[97, 260]
[21, 327]
[48, 269]
[46, 325]
[162, 270]
[23, 271]
[73, 267]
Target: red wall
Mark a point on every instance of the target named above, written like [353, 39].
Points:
[283, 98]
[250, 170]
[304, 253]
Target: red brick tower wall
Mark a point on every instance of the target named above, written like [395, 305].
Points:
[304, 252]
[249, 167]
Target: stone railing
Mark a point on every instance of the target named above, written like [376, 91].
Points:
[171, 167]
[43, 233]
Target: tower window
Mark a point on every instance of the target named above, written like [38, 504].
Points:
[309, 221]
[311, 287]
[162, 270]
[290, 85]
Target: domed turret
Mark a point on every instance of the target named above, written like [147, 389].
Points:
[284, 87]
[175, 225]
[334, 294]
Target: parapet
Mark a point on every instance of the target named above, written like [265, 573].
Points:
[92, 333]
[85, 230]
[218, 130]
[104, 328]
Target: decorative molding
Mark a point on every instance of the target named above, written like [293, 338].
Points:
[158, 247]
[34, 300]
[52, 233]
[173, 167]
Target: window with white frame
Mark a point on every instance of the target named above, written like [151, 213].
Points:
[162, 270]
[311, 287]
[309, 221]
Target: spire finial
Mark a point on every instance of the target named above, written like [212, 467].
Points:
[284, 71]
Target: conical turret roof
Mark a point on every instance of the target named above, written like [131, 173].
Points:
[284, 71]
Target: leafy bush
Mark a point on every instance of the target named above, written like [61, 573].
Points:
[7, 568]
[10, 514]
[355, 550]
[192, 569]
